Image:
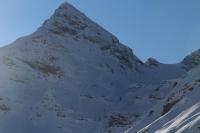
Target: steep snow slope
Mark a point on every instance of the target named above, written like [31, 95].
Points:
[178, 111]
[72, 76]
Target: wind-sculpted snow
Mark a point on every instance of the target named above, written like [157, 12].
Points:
[72, 76]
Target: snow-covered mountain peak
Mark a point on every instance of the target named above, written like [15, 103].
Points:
[73, 76]
[68, 21]
[66, 16]
[70, 24]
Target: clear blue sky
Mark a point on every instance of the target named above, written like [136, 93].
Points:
[164, 29]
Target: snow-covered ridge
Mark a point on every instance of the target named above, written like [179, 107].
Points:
[192, 60]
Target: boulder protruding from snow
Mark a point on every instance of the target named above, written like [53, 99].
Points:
[152, 62]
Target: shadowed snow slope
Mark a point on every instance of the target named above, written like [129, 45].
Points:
[72, 76]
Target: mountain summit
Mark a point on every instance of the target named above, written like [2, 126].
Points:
[67, 21]
[72, 76]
